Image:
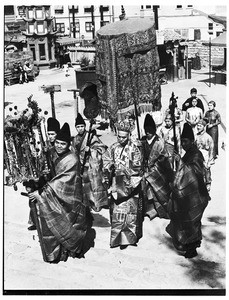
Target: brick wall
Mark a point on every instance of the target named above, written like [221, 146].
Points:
[217, 54]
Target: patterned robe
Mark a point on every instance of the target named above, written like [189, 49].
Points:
[158, 175]
[61, 211]
[94, 189]
[126, 210]
[214, 119]
[188, 202]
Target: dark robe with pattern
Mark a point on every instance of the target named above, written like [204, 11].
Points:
[126, 206]
[189, 200]
[94, 189]
[61, 211]
[158, 175]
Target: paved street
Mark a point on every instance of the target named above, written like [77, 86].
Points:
[153, 266]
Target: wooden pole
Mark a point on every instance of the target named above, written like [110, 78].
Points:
[52, 104]
[210, 61]
[137, 121]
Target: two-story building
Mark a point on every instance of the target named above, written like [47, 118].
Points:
[45, 28]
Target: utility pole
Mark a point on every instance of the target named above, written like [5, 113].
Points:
[101, 15]
[209, 61]
[73, 22]
[155, 10]
[92, 21]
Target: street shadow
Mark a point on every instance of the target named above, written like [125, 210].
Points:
[64, 104]
[218, 220]
[208, 272]
[100, 221]
[198, 269]
[207, 81]
[216, 237]
[213, 80]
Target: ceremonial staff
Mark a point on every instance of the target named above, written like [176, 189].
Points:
[92, 107]
[172, 106]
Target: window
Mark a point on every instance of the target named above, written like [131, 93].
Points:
[179, 6]
[88, 26]
[42, 51]
[60, 27]
[21, 11]
[31, 28]
[40, 27]
[197, 34]
[32, 48]
[210, 26]
[31, 14]
[8, 10]
[58, 9]
[39, 14]
[142, 6]
[189, 6]
[50, 50]
[87, 9]
[75, 10]
[105, 8]
[148, 6]
[77, 27]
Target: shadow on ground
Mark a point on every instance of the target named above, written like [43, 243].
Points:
[100, 221]
[64, 104]
[201, 269]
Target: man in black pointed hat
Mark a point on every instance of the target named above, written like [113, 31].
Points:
[189, 197]
[158, 172]
[91, 147]
[53, 127]
[61, 210]
[46, 158]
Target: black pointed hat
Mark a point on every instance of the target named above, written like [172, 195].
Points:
[149, 124]
[53, 125]
[64, 134]
[79, 120]
[187, 132]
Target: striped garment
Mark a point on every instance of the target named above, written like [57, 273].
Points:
[61, 211]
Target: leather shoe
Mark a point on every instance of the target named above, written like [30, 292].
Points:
[32, 227]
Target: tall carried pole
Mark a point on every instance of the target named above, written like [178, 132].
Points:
[51, 89]
[209, 61]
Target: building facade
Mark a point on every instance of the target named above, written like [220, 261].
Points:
[43, 26]
[81, 22]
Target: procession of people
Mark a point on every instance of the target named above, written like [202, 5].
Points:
[163, 173]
